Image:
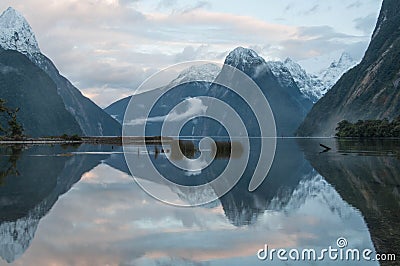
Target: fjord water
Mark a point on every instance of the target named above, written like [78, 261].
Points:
[66, 205]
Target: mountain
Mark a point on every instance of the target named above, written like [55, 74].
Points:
[369, 90]
[25, 85]
[31, 187]
[288, 104]
[117, 109]
[196, 72]
[206, 71]
[314, 86]
[289, 71]
[16, 34]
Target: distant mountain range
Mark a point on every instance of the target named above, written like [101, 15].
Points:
[49, 103]
[290, 89]
[368, 91]
[314, 86]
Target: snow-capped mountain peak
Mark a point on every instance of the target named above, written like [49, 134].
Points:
[243, 57]
[313, 86]
[206, 72]
[289, 72]
[16, 33]
[333, 73]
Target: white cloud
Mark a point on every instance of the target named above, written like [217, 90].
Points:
[193, 107]
[190, 107]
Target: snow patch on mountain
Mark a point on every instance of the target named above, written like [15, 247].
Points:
[334, 72]
[205, 72]
[309, 84]
[281, 72]
[16, 33]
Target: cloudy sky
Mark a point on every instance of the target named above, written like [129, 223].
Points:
[108, 47]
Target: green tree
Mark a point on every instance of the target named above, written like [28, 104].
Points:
[14, 129]
[369, 129]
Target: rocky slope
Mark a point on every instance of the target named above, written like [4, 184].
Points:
[369, 90]
[24, 85]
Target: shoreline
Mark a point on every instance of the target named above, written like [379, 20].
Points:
[115, 140]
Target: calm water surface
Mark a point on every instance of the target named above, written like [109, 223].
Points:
[63, 205]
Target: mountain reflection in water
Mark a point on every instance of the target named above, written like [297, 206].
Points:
[366, 173]
[103, 217]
